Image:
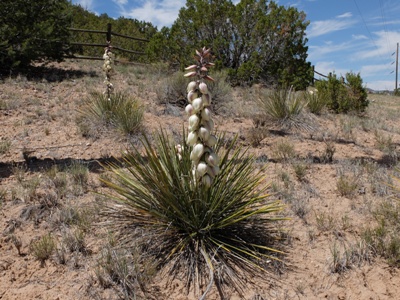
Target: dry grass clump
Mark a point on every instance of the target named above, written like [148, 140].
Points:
[43, 248]
[5, 145]
[383, 238]
[284, 151]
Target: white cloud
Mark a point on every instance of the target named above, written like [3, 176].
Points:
[372, 70]
[382, 47]
[359, 37]
[380, 85]
[325, 67]
[345, 15]
[87, 4]
[160, 13]
[341, 22]
[319, 52]
[120, 2]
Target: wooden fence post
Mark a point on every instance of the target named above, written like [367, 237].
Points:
[109, 33]
[313, 74]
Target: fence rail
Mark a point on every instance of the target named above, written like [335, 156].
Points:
[327, 76]
[109, 33]
[320, 74]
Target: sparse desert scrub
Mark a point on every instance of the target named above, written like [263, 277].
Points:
[309, 243]
[382, 237]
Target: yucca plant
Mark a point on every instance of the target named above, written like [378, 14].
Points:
[197, 207]
[119, 110]
[283, 108]
[207, 233]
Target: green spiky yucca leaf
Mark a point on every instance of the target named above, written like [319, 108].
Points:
[189, 229]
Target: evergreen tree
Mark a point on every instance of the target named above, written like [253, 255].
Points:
[33, 30]
[257, 40]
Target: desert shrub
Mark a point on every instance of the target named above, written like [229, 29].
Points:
[329, 152]
[43, 248]
[300, 170]
[383, 238]
[172, 89]
[120, 111]
[283, 108]
[284, 150]
[74, 241]
[204, 232]
[79, 173]
[344, 98]
[5, 145]
[255, 136]
[347, 185]
[352, 255]
[121, 269]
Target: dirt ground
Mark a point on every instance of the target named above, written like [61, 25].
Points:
[39, 129]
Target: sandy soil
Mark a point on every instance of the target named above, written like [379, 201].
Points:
[38, 117]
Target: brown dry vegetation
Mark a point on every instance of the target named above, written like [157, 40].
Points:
[334, 180]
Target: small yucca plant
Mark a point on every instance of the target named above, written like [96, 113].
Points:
[115, 109]
[120, 111]
[283, 108]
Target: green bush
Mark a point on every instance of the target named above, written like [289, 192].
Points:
[211, 235]
[33, 30]
[341, 97]
[357, 92]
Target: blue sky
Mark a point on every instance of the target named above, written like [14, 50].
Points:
[343, 35]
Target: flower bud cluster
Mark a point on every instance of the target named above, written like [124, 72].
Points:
[205, 160]
[108, 69]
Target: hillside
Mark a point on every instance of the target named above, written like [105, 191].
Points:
[334, 180]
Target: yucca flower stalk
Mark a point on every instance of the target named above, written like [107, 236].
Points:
[108, 70]
[205, 160]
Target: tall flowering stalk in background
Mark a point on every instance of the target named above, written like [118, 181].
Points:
[205, 160]
[108, 69]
